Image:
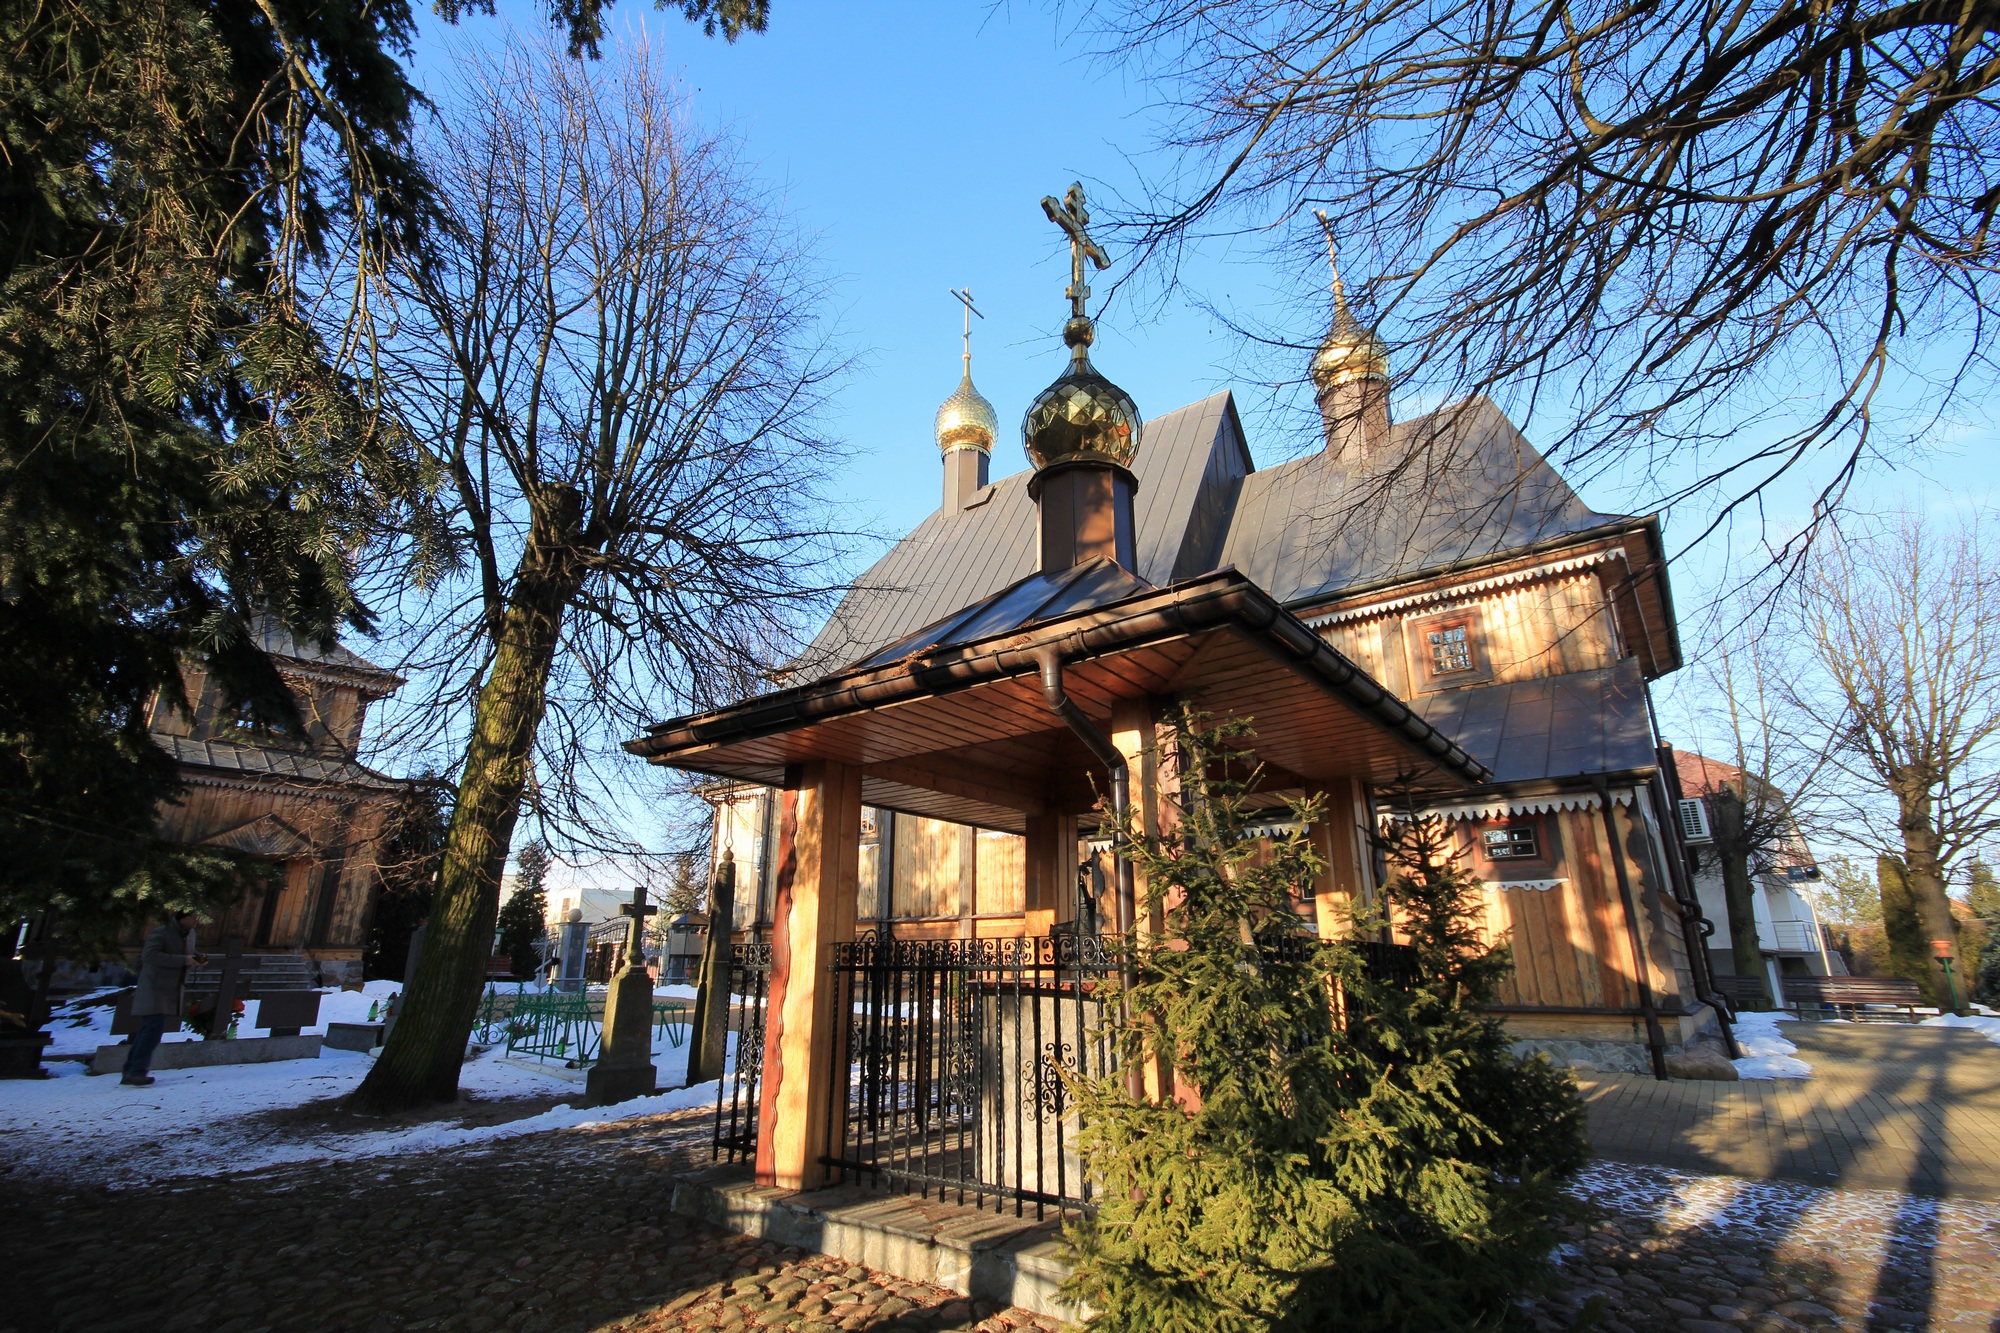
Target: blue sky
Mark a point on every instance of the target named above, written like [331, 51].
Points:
[915, 141]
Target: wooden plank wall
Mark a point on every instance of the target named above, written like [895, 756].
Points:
[1550, 628]
[927, 867]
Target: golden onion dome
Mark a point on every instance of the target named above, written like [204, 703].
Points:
[1350, 351]
[966, 420]
[1082, 415]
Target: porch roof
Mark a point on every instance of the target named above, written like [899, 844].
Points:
[951, 723]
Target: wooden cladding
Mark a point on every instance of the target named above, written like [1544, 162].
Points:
[1551, 628]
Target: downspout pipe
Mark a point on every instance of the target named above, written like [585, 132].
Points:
[1094, 740]
[1656, 1039]
[1695, 927]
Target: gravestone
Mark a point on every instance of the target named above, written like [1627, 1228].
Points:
[624, 1067]
[710, 1037]
[575, 952]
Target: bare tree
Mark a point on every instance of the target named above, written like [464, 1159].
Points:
[615, 359]
[1644, 218]
[1762, 783]
[1902, 618]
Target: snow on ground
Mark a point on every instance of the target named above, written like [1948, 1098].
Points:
[218, 1120]
[1986, 1023]
[1767, 1211]
[1766, 1053]
[83, 1024]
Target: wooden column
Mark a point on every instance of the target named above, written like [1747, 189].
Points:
[1337, 840]
[1135, 732]
[1049, 892]
[812, 909]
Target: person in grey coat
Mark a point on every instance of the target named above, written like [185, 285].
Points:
[163, 968]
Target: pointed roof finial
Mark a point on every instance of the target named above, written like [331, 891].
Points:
[966, 419]
[1332, 259]
[1350, 351]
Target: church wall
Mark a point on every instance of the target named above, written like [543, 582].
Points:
[1551, 628]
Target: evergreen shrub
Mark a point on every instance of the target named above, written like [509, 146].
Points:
[1345, 1150]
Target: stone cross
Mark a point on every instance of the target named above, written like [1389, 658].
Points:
[624, 1067]
[635, 939]
[1073, 218]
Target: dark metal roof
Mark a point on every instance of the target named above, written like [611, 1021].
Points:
[282, 765]
[1036, 598]
[278, 641]
[1464, 484]
[1187, 469]
[960, 730]
[1552, 727]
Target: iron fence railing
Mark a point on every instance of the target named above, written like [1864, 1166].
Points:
[735, 1134]
[565, 1026]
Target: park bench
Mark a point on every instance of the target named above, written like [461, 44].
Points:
[1861, 999]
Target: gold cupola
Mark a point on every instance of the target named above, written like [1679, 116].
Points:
[966, 420]
[1350, 375]
[1350, 351]
[966, 427]
[1082, 432]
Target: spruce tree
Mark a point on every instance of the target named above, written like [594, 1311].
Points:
[1345, 1151]
[524, 917]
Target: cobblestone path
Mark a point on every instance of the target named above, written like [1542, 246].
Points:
[1888, 1106]
[569, 1231]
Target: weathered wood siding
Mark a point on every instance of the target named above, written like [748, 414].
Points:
[928, 859]
[1550, 628]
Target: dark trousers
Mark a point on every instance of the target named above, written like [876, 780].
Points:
[144, 1042]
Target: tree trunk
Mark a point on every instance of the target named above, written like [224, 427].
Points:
[421, 1061]
[1739, 893]
[1927, 896]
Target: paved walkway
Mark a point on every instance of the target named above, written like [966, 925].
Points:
[1888, 1106]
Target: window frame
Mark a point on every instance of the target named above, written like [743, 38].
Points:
[1545, 864]
[1423, 663]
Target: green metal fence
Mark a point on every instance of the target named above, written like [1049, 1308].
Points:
[563, 1026]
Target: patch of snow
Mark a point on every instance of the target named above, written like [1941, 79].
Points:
[1766, 1053]
[210, 1121]
[1985, 1026]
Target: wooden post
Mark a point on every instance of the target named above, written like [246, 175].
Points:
[1051, 872]
[1337, 841]
[1134, 732]
[709, 1034]
[819, 850]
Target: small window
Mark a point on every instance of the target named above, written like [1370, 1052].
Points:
[1516, 842]
[1450, 648]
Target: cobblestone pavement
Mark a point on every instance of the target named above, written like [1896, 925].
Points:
[569, 1231]
[1888, 1105]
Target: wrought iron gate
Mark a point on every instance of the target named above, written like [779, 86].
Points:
[736, 1099]
[951, 1072]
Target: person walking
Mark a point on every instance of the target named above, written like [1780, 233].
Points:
[162, 971]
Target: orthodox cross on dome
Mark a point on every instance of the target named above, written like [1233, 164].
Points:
[1332, 259]
[1073, 218]
[964, 295]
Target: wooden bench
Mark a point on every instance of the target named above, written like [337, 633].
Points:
[1862, 999]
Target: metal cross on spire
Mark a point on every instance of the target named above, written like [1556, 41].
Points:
[1073, 218]
[964, 295]
[1332, 259]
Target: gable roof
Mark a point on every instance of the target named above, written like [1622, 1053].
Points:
[1188, 465]
[1465, 484]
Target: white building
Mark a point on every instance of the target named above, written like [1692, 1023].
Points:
[1789, 934]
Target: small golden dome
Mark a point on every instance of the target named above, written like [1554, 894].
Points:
[1349, 352]
[966, 420]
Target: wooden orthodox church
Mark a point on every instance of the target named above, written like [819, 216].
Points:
[1422, 606]
[302, 802]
